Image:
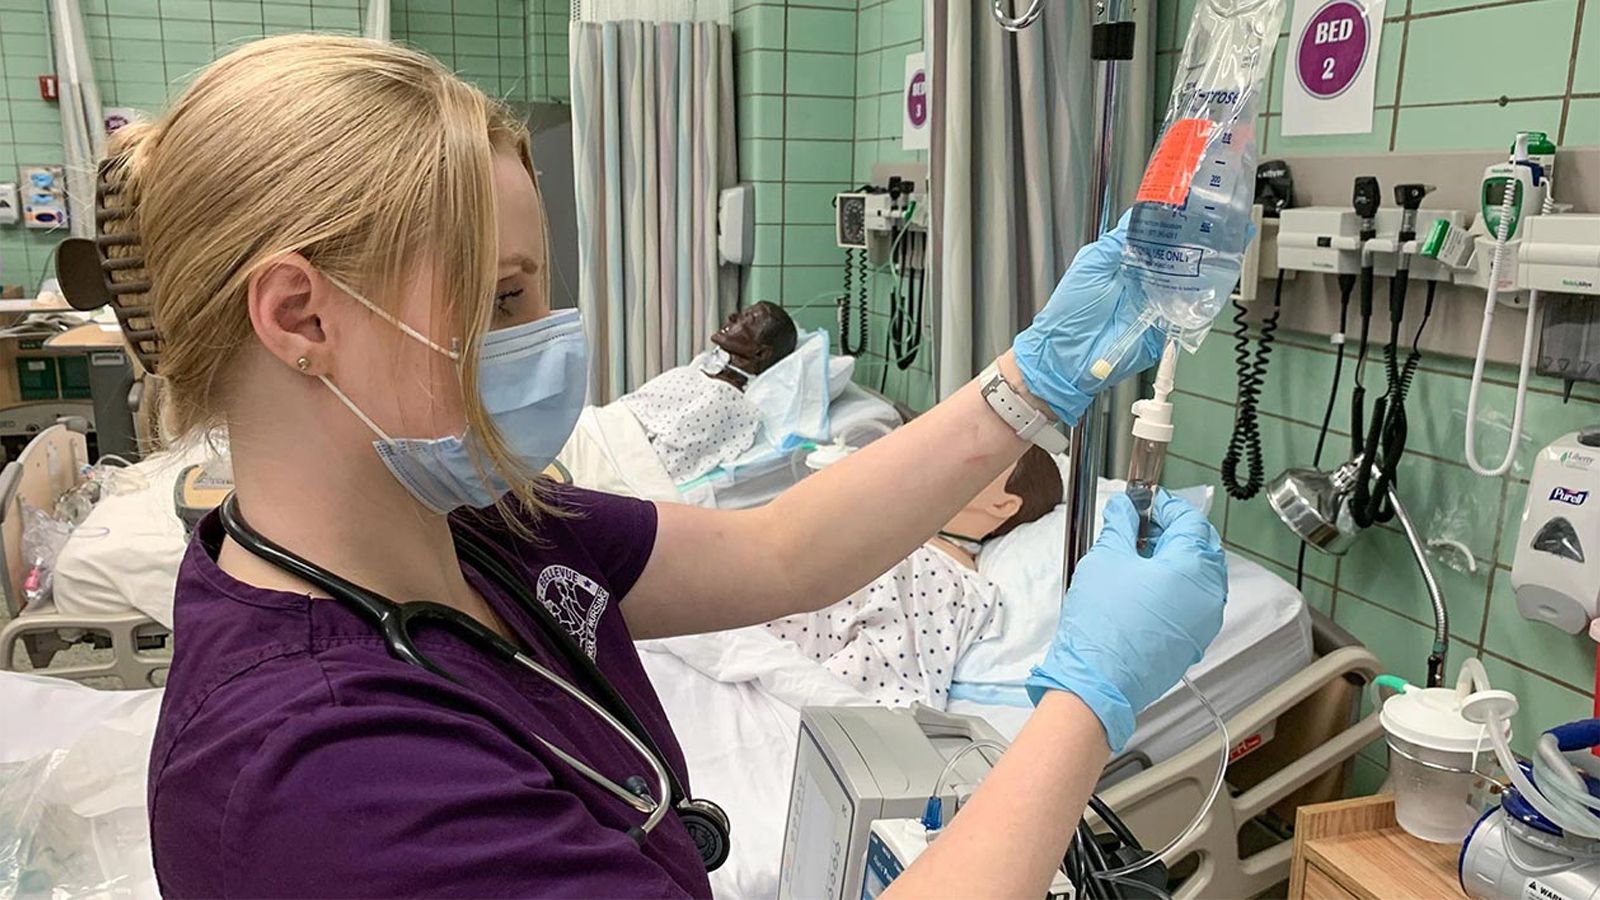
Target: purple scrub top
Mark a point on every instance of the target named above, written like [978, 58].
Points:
[295, 758]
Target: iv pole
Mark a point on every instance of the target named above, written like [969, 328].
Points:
[1112, 42]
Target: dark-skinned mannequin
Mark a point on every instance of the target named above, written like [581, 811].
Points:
[754, 337]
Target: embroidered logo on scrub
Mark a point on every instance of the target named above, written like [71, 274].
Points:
[576, 600]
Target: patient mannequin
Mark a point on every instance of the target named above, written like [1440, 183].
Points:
[753, 338]
[897, 640]
[696, 416]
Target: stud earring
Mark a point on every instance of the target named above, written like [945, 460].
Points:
[303, 364]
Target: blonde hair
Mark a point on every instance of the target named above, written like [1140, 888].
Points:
[361, 156]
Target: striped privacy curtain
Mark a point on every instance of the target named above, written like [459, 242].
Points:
[653, 146]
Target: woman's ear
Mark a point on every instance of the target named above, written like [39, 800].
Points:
[286, 306]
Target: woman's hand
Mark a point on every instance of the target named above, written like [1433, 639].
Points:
[1089, 310]
[1131, 625]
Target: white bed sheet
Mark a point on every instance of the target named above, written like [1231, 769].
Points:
[855, 415]
[739, 741]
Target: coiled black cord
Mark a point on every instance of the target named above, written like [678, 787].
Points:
[858, 260]
[1392, 435]
[1245, 443]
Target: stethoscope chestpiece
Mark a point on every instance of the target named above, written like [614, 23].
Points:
[709, 828]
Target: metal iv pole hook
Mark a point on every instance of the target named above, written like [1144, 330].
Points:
[1035, 8]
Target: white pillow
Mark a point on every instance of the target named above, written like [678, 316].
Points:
[792, 395]
[840, 370]
[1026, 566]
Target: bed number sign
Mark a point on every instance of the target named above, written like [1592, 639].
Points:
[1334, 51]
[917, 105]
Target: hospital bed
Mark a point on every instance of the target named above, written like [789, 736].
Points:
[48, 467]
[857, 417]
[1288, 681]
[609, 450]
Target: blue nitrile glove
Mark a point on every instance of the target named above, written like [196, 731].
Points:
[1132, 625]
[1088, 311]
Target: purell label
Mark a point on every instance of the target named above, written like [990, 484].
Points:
[1571, 498]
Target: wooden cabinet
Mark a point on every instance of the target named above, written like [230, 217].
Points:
[1354, 850]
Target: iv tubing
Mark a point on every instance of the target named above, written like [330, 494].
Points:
[950, 766]
[1164, 383]
[1200, 815]
[1491, 298]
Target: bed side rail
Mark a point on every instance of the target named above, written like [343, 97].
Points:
[129, 663]
[1158, 802]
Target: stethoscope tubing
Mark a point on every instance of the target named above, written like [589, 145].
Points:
[390, 618]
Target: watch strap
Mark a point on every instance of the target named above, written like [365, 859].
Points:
[1028, 422]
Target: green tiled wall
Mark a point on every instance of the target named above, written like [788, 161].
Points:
[486, 41]
[1452, 75]
[546, 52]
[30, 129]
[889, 30]
[1434, 92]
[818, 85]
[1375, 591]
[146, 50]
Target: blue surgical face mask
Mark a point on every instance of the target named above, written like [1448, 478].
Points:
[532, 379]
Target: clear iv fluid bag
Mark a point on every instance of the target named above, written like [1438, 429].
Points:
[1190, 221]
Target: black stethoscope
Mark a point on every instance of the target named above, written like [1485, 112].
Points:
[706, 823]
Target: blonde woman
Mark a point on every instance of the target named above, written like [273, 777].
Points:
[345, 251]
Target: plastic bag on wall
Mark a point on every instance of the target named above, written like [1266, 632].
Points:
[1459, 513]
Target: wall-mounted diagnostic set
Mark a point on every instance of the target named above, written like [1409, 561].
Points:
[883, 230]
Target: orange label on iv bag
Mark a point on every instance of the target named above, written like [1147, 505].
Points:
[1171, 170]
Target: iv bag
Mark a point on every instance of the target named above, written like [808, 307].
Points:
[1190, 222]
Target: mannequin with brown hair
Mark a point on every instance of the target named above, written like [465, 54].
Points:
[897, 640]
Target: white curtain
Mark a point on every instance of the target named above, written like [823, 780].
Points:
[83, 123]
[1013, 153]
[718, 11]
[653, 146]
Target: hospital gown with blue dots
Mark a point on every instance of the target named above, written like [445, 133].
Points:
[694, 422]
[897, 640]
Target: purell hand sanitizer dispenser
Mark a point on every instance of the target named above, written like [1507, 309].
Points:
[1556, 570]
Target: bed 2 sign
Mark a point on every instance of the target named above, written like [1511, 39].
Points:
[1334, 47]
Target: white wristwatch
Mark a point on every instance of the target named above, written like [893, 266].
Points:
[1029, 423]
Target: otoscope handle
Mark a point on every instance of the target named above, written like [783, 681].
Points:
[1397, 297]
[1366, 290]
[1358, 401]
